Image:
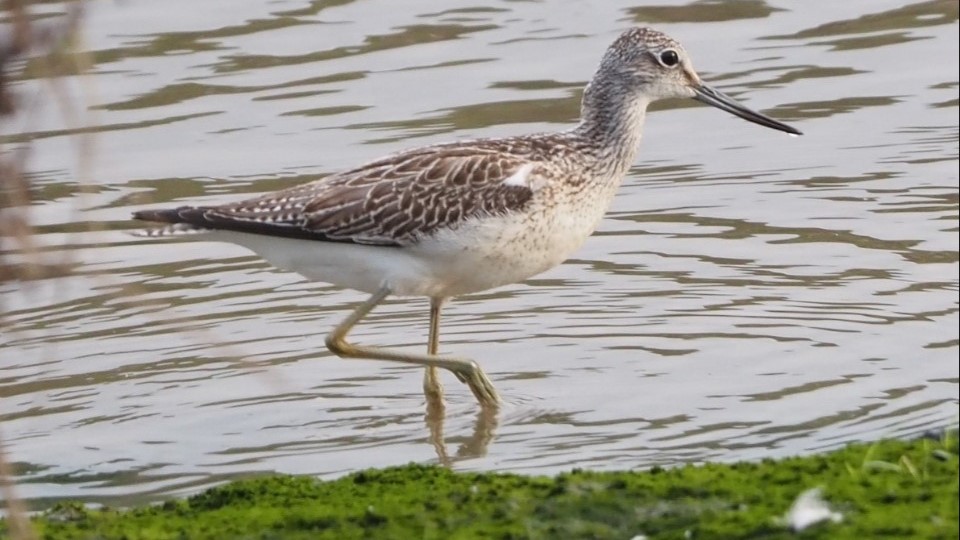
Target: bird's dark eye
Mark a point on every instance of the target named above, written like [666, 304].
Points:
[669, 58]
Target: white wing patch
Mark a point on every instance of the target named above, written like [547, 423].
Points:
[521, 177]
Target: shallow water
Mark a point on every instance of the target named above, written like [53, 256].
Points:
[749, 295]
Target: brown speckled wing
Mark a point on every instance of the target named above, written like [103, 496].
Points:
[390, 202]
[399, 200]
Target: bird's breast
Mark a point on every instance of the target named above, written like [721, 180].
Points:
[490, 251]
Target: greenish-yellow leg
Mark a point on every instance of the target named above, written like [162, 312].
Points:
[465, 370]
[431, 378]
[433, 390]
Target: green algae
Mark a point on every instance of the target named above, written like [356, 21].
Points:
[889, 489]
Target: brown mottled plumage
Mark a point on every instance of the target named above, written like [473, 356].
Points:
[392, 201]
[388, 202]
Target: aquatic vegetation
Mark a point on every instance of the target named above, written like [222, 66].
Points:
[914, 495]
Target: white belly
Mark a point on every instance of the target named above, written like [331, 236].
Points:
[478, 255]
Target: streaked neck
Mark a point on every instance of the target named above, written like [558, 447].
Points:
[611, 123]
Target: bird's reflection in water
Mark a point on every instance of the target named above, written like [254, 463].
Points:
[475, 446]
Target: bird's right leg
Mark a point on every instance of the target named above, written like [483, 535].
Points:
[465, 370]
[431, 378]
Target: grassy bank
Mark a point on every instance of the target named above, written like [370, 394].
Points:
[889, 489]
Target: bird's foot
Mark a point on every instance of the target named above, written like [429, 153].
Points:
[479, 384]
[432, 388]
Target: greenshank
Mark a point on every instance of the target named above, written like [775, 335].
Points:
[452, 219]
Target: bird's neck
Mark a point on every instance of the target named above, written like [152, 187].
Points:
[611, 124]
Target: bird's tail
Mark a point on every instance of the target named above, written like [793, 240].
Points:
[167, 215]
[173, 216]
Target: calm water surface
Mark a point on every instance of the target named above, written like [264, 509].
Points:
[749, 295]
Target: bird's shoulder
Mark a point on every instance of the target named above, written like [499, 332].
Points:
[464, 163]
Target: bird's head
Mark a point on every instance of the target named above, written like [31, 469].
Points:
[654, 66]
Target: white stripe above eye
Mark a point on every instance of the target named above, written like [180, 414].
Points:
[520, 177]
